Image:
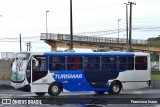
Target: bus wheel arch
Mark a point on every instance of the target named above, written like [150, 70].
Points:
[115, 87]
[55, 89]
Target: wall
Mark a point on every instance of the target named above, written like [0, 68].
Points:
[5, 69]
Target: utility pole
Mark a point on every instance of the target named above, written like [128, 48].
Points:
[20, 42]
[46, 25]
[130, 25]
[118, 29]
[29, 46]
[126, 25]
[71, 28]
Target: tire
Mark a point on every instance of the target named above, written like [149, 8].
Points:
[40, 93]
[99, 92]
[149, 83]
[54, 89]
[115, 88]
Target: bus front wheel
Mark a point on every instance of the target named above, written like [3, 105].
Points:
[115, 88]
[54, 89]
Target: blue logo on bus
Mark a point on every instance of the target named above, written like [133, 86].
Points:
[68, 76]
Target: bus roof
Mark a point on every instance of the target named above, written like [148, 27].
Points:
[88, 54]
[110, 53]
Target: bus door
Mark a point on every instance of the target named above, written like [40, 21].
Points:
[39, 72]
[28, 72]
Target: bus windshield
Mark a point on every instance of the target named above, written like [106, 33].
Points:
[19, 67]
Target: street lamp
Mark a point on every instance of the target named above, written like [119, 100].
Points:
[118, 29]
[126, 25]
[46, 25]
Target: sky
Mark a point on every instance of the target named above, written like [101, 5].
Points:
[90, 17]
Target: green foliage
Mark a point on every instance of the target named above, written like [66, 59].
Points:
[154, 57]
[154, 41]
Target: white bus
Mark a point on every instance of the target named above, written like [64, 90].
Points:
[56, 72]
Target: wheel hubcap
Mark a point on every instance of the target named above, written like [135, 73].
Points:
[55, 89]
[115, 88]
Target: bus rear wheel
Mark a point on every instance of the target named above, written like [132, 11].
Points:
[99, 92]
[115, 88]
[54, 89]
[40, 93]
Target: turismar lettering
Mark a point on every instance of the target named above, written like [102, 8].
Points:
[68, 76]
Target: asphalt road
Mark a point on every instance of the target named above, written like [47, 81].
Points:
[147, 97]
[127, 98]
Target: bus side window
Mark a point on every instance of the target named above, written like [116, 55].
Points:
[74, 63]
[141, 63]
[78, 60]
[112, 62]
[104, 59]
[108, 63]
[40, 70]
[78, 66]
[70, 59]
[61, 59]
[92, 63]
[89, 67]
[78, 63]
[123, 63]
[130, 63]
[126, 63]
[69, 66]
[57, 63]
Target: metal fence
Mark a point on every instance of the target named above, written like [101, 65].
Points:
[89, 39]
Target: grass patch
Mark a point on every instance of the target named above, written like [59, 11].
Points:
[155, 77]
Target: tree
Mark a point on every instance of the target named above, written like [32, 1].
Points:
[154, 41]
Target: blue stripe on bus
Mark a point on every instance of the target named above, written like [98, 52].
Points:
[87, 54]
[88, 80]
[77, 82]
